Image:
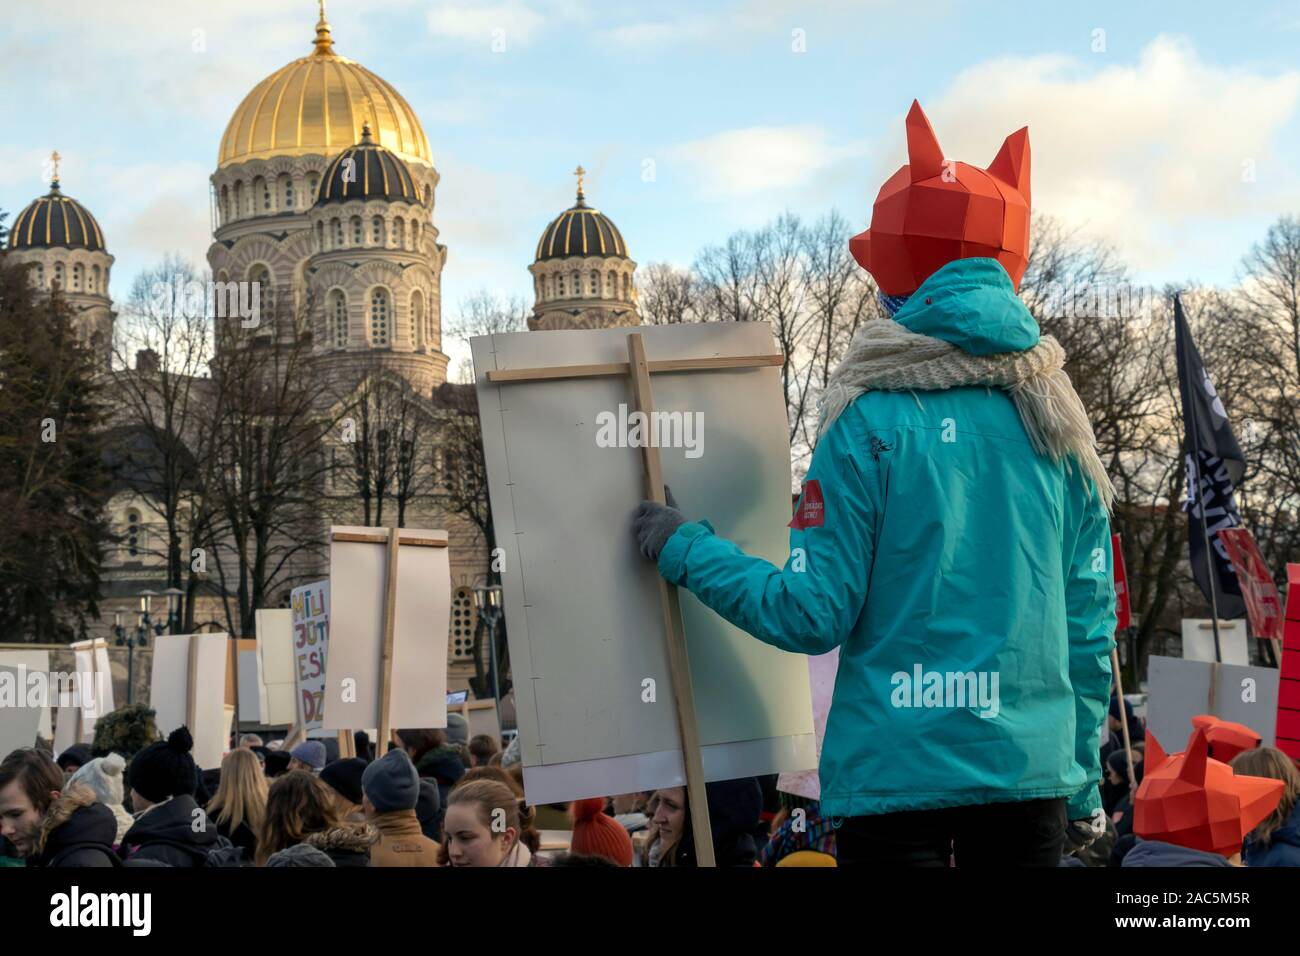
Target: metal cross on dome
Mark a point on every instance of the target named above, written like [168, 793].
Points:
[580, 172]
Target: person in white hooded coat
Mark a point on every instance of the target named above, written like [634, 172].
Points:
[103, 775]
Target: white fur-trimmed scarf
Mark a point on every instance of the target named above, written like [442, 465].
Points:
[885, 356]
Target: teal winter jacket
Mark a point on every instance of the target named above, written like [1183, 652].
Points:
[965, 578]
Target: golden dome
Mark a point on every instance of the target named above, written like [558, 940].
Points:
[318, 104]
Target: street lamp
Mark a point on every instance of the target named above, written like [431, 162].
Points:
[138, 637]
[487, 601]
[174, 597]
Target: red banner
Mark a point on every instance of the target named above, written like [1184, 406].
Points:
[1257, 587]
[1123, 610]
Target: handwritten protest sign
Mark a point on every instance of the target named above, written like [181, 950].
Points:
[310, 605]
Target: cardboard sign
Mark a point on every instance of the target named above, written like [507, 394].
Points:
[1198, 641]
[188, 687]
[1179, 690]
[27, 662]
[821, 677]
[588, 645]
[1123, 610]
[310, 618]
[358, 577]
[277, 663]
[20, 723]
[1257, 586]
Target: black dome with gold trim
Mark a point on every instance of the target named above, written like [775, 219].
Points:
[581, 231]
[373, 173]
[55, 220]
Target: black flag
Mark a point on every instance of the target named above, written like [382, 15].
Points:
[1213, 454]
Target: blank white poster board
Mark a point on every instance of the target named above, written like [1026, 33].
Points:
[65, 726]
[1179, 689]
[278, 698]
[94, 683]
[585, 622]
[1198, 641]
[418, 695]
[822, 669]
[32, 662]
[168, 691]
[19, 724]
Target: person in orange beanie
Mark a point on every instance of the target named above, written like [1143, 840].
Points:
[595, 834]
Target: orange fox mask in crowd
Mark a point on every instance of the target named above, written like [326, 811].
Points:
[1192, 800]
[931, 212]
[1225, 738]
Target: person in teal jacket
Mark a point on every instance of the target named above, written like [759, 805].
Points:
[941, 542]
[952, 540]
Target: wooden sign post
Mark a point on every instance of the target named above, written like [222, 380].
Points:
[637, 371]
[389, 537]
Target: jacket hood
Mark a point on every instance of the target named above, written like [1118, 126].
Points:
[441, 763]
[74, 817]
[1159, 853]
[971, 303]
[350, 838]
[173, 823]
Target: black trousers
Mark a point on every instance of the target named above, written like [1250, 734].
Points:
[1027, 833]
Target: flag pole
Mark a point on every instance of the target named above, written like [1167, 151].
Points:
[1205, 526]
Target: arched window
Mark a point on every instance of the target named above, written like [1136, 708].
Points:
[338, 233]
[78, 271]
[261, 276]
[320, 236]
[239, 199]
[135, 534]
[625, 287]
[263, 193]
[92, 284]
[394, 234]
[357, 237]
[559, 285]
[609, 284]
[595, 283]
[225, 205]
[417, 318]
[286, 192]
[379, 310]
[338, 318]
[377, 230]
[577, 285]
[313, 186]
[40, 276]
[58, 275]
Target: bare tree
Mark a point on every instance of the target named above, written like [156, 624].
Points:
[162, 350]
[667, 295]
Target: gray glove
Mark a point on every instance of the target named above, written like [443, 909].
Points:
[653, 524]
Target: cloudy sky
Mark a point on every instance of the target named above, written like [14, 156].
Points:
[1166, 128]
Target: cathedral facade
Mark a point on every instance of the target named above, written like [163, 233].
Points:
[324, 197]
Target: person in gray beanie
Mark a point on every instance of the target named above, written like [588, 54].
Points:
[308, 755]
[391, 789]
[300, 854]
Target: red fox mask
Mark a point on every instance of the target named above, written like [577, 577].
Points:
[931, 212]
[1197, 802]
[1225, 738]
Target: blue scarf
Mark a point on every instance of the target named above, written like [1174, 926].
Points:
[892, 303]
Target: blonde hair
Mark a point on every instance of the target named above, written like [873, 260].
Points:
[241, 793]
[1268, 762]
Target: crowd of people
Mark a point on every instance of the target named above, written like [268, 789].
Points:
[441, 798]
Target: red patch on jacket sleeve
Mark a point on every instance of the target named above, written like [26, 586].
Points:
[812, 508]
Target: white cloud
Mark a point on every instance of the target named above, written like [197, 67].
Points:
[742, 162]
[1140, 154]
[512, 20]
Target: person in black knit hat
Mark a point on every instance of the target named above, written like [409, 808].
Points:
[170, 826]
